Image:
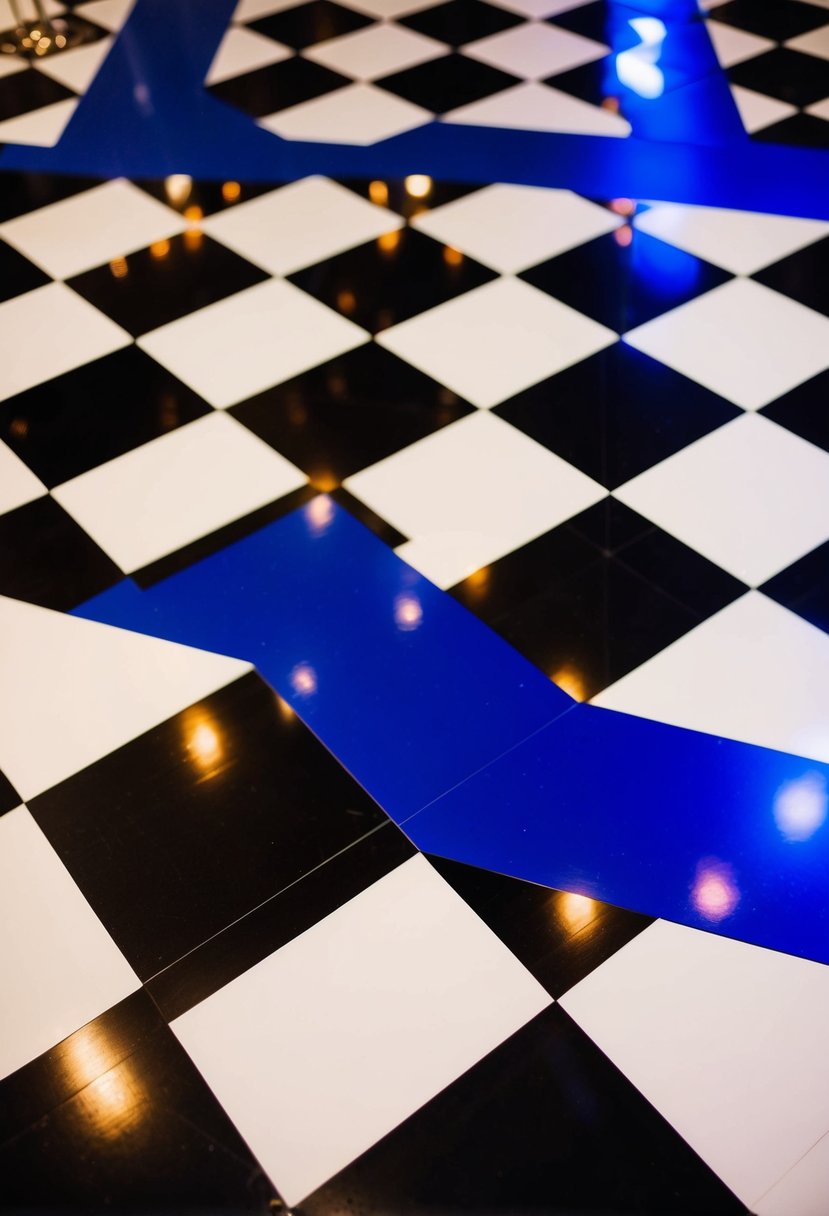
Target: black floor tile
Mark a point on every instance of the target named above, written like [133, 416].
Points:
[98, 411]
[21, 193]
[600, 21]
[18, 274]
[799, 131]
[47, 559]
[785, 74]
[617, 413]
[349, 413]
[446, 83]
[174, 836]
[386, 281]
[804, 410]
[595, 83]
[777, 19]
[280, 920]
[460, 21]
[127, 1123]
[559, 937]
[9, 797]
[587, 616]
[625, 278]
[804, 587]
[29, 90]
[403, 203]
[207, 197]
[803, 275]
[544, 1124]
[278, 86]
[307, 24]
[173, 277]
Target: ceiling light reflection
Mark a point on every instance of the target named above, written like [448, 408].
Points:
[576, 911]
[800, 806]
[378, 192]
[715, 893]
[203, 741]
[319, 513]
[408, 612]
[231, 191]
[303, 680]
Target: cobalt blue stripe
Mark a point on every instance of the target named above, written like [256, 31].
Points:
[147, 114]
[416, 698]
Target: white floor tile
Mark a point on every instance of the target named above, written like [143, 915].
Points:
[742, 340]
[49, 331]
[733, 676]
[300, 224]
[750, 496]
[243, 50]
[758, 111]
[252, 10]
[111, 14]
[8, 18]
[202, 476]
[541, 8]
[803, 1190]
[73, 690]
[820, 109]
[733, 45]
[536, 107]
[533, 50]
[91, 228]
[386, 10]
[10, 66]
[18, 484]
[495, 341]
[815, 42]
[740, 241]
[471, 493]
[250, 341]
[59, 965]
[392, 998]
[725, 1039]
[78, 67]
[357, 114]
[377, 51]
[512, 227]
[42, 128]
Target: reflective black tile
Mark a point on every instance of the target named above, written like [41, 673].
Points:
[625, 278]
[368, 518]
[126, 1123]
[184, 194]
[29, 90]
[395, 196]
[180, 559]
[47, 559]
[445, 83]
[804, 275]
[559, 937]
[617, 413]
[805, 410]
[777, 19]
[460, 21]
[595, 83]
[18, 274]
[9, 797]
[788, 75]
[800, 131]
[307, 24]
[545, 1124]
[349, 413]
[177, 834]
[170, 279]
[21, 193]
[280, 920]
[278, 86]
[397, 276]
[600, 21]
[98, 411]
[804, 587]
[587, 615]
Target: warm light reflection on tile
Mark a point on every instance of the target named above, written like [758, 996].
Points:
[159, 249]
[452, 257]
[378, 192]
[111, 1094]
[324, 481]
[576, 911]
[388, 242]
[571, 681]
[418, 185]
[203, 741]
[231, 191]
[119, 268]
[623, 236]
[408, 612]
[715, 893]
[346, 301]
[193, 215]
[193, 239]
[177, 187]
[286, 713]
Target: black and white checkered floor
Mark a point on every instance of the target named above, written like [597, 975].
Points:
[230, 981]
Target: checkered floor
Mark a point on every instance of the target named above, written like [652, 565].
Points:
[776, 57]
[39, 96]
[361, 73]
[601, 425]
